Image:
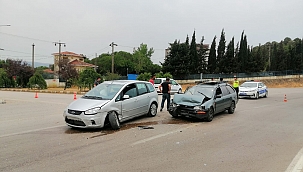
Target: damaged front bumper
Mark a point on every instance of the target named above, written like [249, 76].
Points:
[186, 111]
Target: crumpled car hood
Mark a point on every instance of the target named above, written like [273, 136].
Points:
[188, 100]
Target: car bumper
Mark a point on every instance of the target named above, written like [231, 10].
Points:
[85, 121]
[247, 94]
[189, 113]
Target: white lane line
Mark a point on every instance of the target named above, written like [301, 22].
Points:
[161, 135]
[29, 131]
[296, 164]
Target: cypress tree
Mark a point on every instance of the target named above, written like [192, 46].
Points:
[212, 58]
[221, 53]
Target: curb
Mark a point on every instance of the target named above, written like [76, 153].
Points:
[42, 91]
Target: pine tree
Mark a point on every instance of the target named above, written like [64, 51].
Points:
[230, 57]
[212, 58]
[221, 54]
[202, 64]
[193, 54]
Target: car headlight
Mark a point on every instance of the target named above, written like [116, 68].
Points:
[199, 107]
[92, 111]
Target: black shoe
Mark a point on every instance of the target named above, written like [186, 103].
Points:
[161, 110]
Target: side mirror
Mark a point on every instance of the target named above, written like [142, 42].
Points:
[126, 96]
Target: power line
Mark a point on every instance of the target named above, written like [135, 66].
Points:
[26, 37]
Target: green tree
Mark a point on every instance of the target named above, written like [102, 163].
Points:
[67, 72]
[212, 58]
[37, 81]
[5, 82]
[202, 55]
[193, 56]
[230, 62]
[220, 67]
[87, 78]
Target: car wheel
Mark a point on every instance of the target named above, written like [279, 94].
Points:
[210, 115]
[179, 91]
[266, 94]
[232, 107]
[113, 120]
[174, 114]
[152, 110]
[257, 95]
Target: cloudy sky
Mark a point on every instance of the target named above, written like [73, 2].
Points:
[89, 26]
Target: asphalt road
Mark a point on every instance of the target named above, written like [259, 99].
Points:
[262, 135]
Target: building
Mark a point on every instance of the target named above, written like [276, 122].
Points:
[76, 60]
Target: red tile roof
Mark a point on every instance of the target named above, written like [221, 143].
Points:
[48, 71]
[68, 53]
[81, 63]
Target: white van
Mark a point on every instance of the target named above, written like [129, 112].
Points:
[175, 87]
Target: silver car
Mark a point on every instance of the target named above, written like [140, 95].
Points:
[175, 87]
[112, 102]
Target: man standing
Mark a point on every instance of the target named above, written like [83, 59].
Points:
[165, 88]
[97, 82]
[236, 85]
[152, 79]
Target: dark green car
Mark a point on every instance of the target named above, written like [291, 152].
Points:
[204, 100]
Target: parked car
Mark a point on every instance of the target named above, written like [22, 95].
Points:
[112, 102]
[253, 89]
[204, 100]
[175, 87]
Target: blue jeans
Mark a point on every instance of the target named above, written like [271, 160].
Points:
[164, 97]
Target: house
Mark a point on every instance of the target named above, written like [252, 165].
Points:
[76, 60]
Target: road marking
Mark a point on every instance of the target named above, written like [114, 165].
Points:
[35, 101]
[29, 131]
[296, 164]
[161, 135]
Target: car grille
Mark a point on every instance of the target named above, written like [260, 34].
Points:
[188, 109]
[74, 122]
[74, 112]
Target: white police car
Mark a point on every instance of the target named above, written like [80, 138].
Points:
[253, 89]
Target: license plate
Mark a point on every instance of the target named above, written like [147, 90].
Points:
[242, 94]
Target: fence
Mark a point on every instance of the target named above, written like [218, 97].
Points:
[240, 75]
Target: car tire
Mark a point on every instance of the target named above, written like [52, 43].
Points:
[257, 95]
[210, 115]
[152, 112]
[113, 120]
[232, 107]
[266, 94]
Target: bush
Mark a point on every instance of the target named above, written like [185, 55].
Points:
[163, 75]
[112, 76]
[37, 81]
[144, 76]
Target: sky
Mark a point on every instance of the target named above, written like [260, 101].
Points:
[89, 26]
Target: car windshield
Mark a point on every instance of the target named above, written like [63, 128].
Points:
[196, 90]
[248, 84]
[103, 91]
[158, 81]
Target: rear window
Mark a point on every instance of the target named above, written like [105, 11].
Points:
[158, 81]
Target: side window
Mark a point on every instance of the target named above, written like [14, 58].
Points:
[224, 90]
[150, 87]
[218, 91]
[174, 82]
[141, 88]
[230, 89]
[130, 90]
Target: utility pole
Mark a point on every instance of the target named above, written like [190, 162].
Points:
[33, 56]
[59, 43]
[112, 45]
